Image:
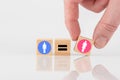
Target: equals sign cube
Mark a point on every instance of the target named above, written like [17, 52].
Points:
[62, 47]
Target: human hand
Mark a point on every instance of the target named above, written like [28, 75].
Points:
[106, 26]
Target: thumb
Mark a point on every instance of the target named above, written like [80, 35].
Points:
[108, 24]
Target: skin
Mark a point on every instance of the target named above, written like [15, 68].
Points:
[106, 26]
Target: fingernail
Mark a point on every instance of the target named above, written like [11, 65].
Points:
[100, 42]
[75, 38]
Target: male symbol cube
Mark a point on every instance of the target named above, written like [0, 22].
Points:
[83, 45]
[44, 47]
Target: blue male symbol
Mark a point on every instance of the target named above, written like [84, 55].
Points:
[44, 47]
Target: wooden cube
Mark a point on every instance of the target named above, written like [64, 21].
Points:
[44, 47]
[83, 45]
[62, 47]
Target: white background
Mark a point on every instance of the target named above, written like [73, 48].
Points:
[22, 22]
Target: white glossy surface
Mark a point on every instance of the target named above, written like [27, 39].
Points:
[27, 67]
[22, 22]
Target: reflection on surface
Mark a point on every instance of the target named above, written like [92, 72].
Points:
[62, 63]
[50, 63]
[82, 69]
[101, 73]
[71, 76]
[44, 63]
[83, 65]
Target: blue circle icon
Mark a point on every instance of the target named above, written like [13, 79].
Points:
[44, 47]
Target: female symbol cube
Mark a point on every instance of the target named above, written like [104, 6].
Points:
[84, 45]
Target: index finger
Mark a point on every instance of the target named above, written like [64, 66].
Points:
[71, 18]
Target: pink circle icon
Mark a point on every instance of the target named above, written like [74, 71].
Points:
[84, 46]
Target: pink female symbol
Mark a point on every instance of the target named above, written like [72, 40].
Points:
[84, 46]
